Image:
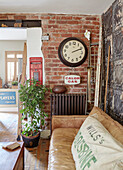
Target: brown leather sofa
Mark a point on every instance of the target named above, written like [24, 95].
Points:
[65, 128]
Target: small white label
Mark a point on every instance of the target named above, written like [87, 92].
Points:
[72, 79]
[45, 38]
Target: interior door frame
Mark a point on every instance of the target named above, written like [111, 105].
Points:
[15, 60]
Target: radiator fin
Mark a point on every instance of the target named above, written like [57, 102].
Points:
[68, 104]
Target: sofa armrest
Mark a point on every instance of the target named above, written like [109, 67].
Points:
[64, 121]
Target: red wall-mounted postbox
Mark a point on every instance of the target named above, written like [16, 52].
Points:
[36, 69]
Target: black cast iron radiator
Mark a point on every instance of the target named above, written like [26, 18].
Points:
[68, 104]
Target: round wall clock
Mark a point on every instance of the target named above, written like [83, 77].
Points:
[72, 52]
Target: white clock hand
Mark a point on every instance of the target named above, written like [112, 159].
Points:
[76, 50]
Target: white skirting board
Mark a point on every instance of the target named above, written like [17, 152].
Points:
[8, 109]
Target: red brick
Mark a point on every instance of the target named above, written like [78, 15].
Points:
[61, 22]
[91, 18]
[77, 18]
[53, 65]
[78, 35]
[95, 41]
[54, 82]
[53, 26]
[61, 82]
[56, 60]
[83, 90]
[51, 21]
[87, 22]
[79, 69]
[47, 69]
[54, 44]
[66, 35]
[45, 17]
[96, 31]
[66, 17]
[47, 77]
[81, 86]
[96, 23]
[47, 60]
[67, 69]
[50, 48]
[56, 17]
[56, 35]
[76, 90]
[72, 22]
[73, 30]
[33, 17]
[19, 17]
[62, 73]
[57, 69]
[53, 52]
[89, 27]
[45, 43]
[56, 77]
[50, 56]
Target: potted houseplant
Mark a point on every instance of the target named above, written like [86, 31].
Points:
[32, 94]
[15, 85]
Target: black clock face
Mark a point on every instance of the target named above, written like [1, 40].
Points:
[72, 52]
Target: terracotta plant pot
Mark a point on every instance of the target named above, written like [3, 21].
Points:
[14, 87]
[59, 89]
[31, 141]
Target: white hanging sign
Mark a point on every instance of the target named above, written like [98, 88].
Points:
[72, 79]
[87, 34]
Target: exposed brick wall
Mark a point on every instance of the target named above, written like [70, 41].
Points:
[59, 27]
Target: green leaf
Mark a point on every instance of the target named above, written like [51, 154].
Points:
[32, 96]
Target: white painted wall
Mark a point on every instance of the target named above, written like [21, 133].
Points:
[9, 33]
[8, 46]
[34, 45]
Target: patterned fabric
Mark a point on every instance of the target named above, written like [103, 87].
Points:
[95, 149]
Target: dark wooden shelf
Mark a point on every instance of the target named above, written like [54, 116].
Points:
[23, 23]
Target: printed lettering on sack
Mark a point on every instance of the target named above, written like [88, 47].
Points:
[84, 153]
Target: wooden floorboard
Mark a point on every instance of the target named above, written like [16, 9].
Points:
[8, 127]
[35, 158]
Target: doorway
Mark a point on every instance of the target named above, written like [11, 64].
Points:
[12, 65]
[11, 52]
